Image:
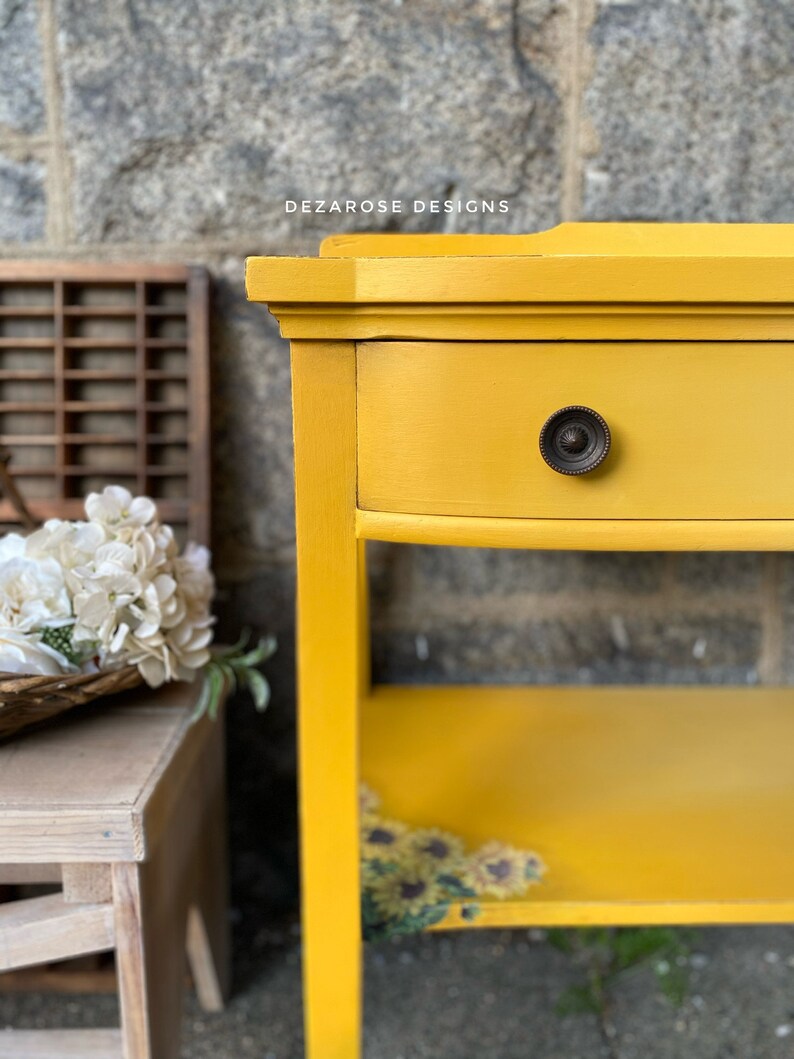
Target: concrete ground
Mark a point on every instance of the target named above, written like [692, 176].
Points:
[489, 995]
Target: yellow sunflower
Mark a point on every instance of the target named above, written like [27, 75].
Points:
[534, 868]
[436, 848]
[408, 891]
[382, 839]
[499, 870]
[369, 873]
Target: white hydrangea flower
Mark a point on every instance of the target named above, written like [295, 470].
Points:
[178, 655]
[23, 653]
[189, 644]
[116, 507]
[154, 663]
[100, 606]
[12, 546]
[179, 646]
[192, 570]
[132, 598]
[32, 591]
[71, 543]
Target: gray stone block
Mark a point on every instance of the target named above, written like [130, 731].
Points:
[785, 588]
[253, 512]
[472, 572]
[691, 105]
[786, 579]
[654, 649]
[23, 203]
[21, 82]
[261, 747]
[187, 124]
[719, 572]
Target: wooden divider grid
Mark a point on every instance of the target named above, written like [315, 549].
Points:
[104, 379]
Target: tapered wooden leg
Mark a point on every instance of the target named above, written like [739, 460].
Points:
[184, 871]
[151, 920]
[207, 924]
[330, 670]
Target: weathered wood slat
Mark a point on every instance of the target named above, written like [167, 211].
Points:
[47, 928]
[105, 272]
[74, 977]
[60, 1044]
[23, 874]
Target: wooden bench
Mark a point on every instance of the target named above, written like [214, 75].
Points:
[124, 806]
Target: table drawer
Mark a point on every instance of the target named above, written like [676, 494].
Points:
[699, 430]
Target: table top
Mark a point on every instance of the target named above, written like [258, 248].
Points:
[592, 263]
[580, 239]
[86, 786]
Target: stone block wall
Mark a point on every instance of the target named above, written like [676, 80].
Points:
[144, 129]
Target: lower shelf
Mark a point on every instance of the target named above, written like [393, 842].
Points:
[648, 805]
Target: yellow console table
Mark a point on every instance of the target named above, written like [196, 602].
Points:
[597, 386]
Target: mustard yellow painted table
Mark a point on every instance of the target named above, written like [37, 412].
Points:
[592, 387]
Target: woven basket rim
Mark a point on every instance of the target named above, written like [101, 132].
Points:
[27, 700]
[13, 682]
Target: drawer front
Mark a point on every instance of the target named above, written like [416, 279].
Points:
[699, 430]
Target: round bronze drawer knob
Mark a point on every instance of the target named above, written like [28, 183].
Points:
[574, 440]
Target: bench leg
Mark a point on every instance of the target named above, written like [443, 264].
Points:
[151, 923]
[207, 924]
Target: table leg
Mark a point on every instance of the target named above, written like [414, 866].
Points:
[331, 620]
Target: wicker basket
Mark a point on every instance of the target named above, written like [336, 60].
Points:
[27, 700]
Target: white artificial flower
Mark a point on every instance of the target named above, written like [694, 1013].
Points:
[23, 653]
[189, 644]
[154, 661]
[193, 573]
[165, 540]
[32, 591]
[165, 601]
[71, 543]
[100, 605]
[178, 655]
[120, 581]
[12, 546]
[115, 507]
[179, 646]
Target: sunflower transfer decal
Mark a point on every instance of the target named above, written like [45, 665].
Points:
[409, 876]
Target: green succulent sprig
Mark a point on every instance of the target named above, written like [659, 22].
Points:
[229, 668]
[235, 667]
